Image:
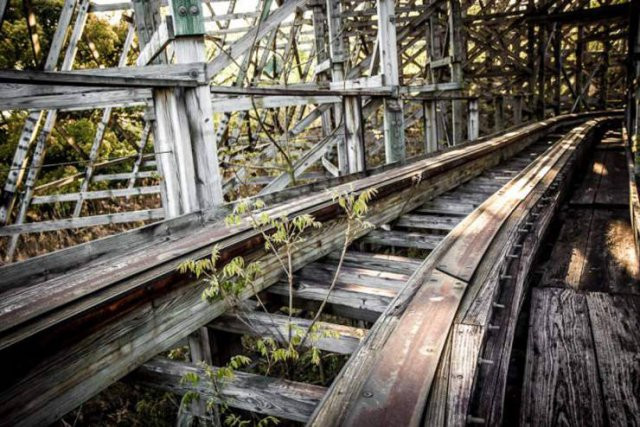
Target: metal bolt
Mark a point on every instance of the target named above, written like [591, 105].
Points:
[193, 73]
[367, 394]
[194, 10]
[182, 11]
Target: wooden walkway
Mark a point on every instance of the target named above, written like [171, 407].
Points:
[583, 351]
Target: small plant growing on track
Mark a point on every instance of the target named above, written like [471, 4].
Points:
[280, 353]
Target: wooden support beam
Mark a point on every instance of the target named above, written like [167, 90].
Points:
[101, 128]
[354, 133]
[394, 143]
[338, 56]
[28, 133]
[473, 124]
[498, 113]
[269, 396]
[83, 222]
[430, 124]
[330, 336]
[456, 55]
[240, 46]
[40, 149]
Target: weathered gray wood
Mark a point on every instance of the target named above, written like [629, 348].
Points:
[168, 306]
[270, 396]
[395, 149]
[83, 99]
[616, 333]
[93, 195]
[353, 296]
[28, 133]
[445, 207]
[87, 221]
[156, 44]
[319, 271]
[125, 176]
[465, 340]
[224, 105]
[101, 128]
[390, 263]
[240, 46]
[428, 222]
[329, 337]
[379, 384]
[403, 239]
[561, 379]
[38, 155]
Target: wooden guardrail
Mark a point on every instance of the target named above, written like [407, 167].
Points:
[102, 319]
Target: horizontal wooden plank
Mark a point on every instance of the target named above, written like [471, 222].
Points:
[93, 195]
[318, 271]
[329, 336]
[87, 221]
[383, 262]
[403, 239]
[265, 395]
[353, 296]
[428, 222]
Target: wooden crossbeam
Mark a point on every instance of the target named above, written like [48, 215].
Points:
[265, 395]
[329, 337]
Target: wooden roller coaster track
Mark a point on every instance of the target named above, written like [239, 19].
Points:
[77, 320]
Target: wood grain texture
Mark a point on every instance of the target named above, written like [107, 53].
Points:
[270, 396]
[561, 384]
[615, 321]
[330, 336]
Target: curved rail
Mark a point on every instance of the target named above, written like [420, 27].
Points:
[68, 335]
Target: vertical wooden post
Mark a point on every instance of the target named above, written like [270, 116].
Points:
[604, 81]
[516, 104]
[542, 56]
[338, 55]
[456, 55]
[557, 58]
[579, 61]
[147, 19]
[354, 133]
[189, 47]
[394, 143]
[319, 35]
[474, 120]
[498, 113]
[430, 127]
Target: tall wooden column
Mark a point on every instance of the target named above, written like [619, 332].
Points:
[430, 126]
[338, 56]
[354, 133]
[456, 55]
[557, 59]
[394, 144]
[184, 139]
[473, 129]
